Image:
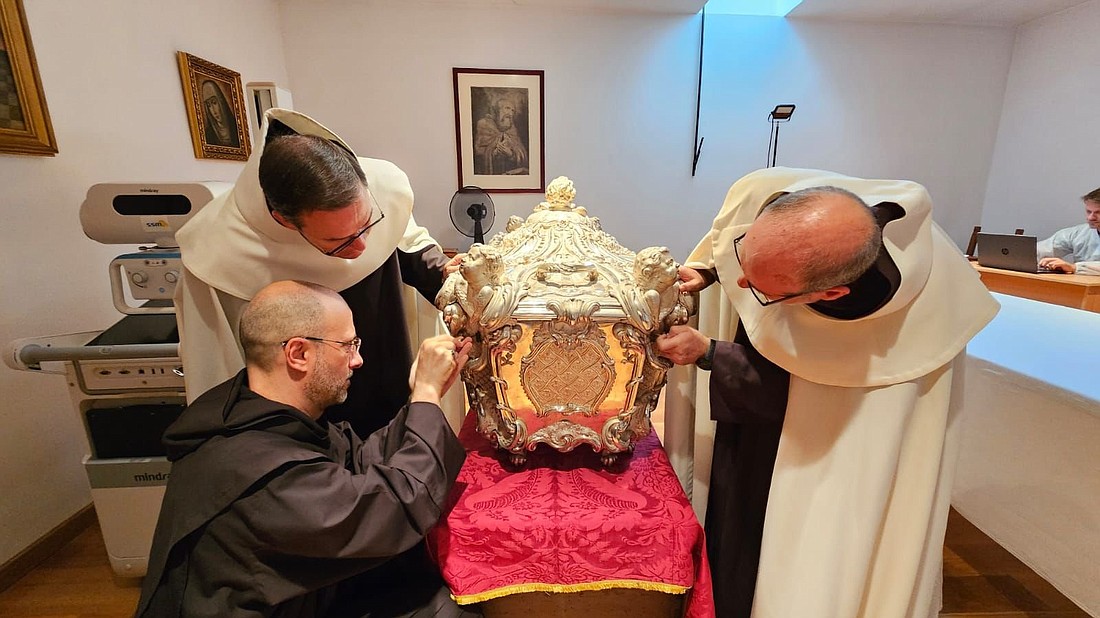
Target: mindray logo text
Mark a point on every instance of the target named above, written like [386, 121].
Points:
[156, 476]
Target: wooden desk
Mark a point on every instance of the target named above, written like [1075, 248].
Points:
[1077, 291]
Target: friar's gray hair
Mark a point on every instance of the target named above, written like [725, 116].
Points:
[823, 269]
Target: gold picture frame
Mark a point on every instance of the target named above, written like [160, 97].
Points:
[215, 109]
[25, 126]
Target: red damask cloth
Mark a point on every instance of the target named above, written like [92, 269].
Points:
[565, 523]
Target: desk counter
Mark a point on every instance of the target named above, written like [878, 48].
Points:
[1028, 473]
[1077, 291]
[564, 523]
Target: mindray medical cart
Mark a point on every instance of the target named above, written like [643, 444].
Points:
[126, 382]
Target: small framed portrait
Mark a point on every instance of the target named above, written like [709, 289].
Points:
[499, 129]
[215, 109]
[24, 120]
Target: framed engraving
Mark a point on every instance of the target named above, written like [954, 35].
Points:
[24, 120]
[215, 109]
[499, 129]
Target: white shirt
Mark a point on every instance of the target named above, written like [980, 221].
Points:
[1079, 245]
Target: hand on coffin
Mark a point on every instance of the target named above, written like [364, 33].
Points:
[451, 266]
[691, 280]
[436, 367]
[683, 345]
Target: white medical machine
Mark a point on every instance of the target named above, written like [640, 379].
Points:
[126, 382]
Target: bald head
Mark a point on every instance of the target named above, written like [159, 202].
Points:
[819, 238]
[282, 310]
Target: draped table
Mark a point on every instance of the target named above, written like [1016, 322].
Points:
[564, 523]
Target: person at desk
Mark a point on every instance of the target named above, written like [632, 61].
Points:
[305, 207]
[835, 402]
[271, 510]
[1079, 243]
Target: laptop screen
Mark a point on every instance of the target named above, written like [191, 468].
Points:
[1008, 251]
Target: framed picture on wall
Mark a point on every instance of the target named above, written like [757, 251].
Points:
[24, 120]
[215, 109]
[499, 129]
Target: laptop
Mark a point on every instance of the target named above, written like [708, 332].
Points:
[1009, 252]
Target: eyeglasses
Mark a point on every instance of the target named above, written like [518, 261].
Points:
[347, 242]
[351, 240]
[760, 297]
[349, 347]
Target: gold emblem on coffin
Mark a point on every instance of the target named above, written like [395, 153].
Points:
[563, 320]
[569, 370]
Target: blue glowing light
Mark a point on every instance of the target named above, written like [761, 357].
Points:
[771, 8]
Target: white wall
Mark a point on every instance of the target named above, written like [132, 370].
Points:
[619, 99]
[113, 89]
[1046, 155]
[886, 101]
[876, 101]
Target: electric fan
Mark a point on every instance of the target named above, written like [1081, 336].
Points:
[472, 212]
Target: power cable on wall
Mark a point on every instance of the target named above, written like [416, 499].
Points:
[697, 142]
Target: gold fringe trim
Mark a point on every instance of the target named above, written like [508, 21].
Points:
[496, 593]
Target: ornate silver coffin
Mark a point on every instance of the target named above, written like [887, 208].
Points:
[563, 320]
